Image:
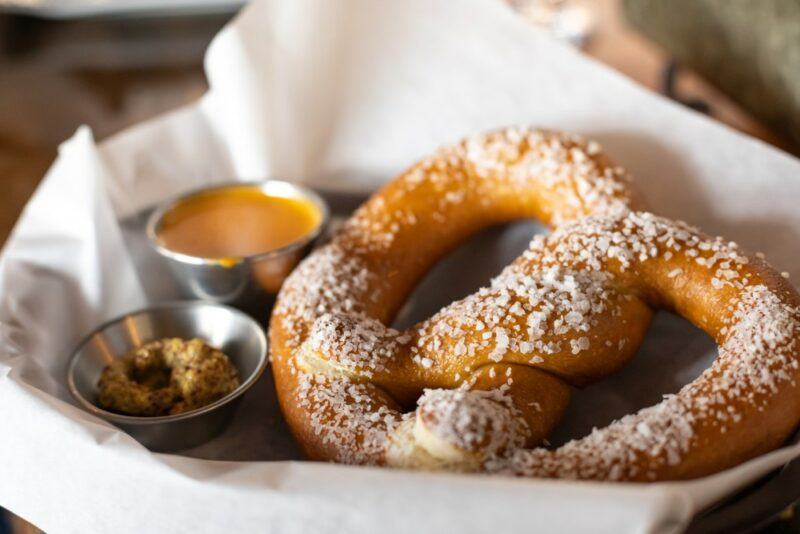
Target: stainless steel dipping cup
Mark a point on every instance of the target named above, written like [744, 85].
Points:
[230, 330]
[249, 282]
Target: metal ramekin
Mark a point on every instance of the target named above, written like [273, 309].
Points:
[249, 282]
[230, 330]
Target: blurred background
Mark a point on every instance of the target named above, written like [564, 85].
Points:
[113, 63]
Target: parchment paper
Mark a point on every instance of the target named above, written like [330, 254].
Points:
[344, 95]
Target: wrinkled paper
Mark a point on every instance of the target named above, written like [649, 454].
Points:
[343, 95]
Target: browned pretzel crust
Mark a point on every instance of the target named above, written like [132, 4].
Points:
[491, 374]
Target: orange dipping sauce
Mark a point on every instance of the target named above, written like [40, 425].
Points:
[236, 221]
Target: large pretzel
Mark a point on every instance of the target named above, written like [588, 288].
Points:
[491, 374]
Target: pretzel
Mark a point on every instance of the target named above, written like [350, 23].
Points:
[480, 385]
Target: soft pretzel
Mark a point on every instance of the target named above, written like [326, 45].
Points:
[490, 375]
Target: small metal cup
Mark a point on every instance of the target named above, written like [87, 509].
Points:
[250, 282]
[228, 329]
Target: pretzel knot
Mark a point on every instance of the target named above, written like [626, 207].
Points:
[481, 384]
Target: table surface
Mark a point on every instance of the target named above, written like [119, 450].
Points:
[54, 88]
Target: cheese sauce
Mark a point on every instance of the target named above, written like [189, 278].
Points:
[235, 222]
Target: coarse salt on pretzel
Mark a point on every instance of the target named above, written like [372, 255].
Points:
[490, 375]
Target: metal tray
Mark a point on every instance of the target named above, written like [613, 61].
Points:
[486, 254]
[74, 9]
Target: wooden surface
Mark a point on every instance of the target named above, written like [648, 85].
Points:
[56, 77]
